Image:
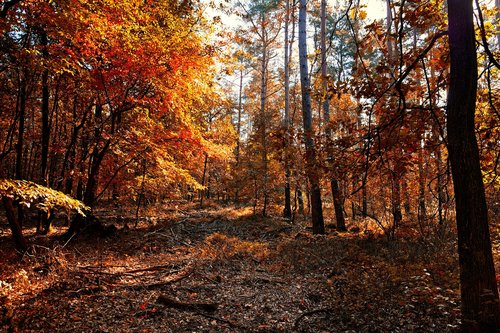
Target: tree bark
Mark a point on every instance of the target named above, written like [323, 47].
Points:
[316, 207]
[480, 304]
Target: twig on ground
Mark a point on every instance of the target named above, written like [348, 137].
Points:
[310, 313]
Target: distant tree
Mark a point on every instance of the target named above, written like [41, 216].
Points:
[326, 97]
[287, 211]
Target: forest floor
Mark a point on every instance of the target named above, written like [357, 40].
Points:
[224, 270]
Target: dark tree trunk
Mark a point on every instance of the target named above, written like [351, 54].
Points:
[364, 195]
[15, 227]
[20, 139]
[89, 195]
[337, 204]
[287, 211]
[480, 307]
[300, 200]
[45, 116]
[406, 195]
[396, 203]
[20, 135]
[440, 185]
[44, 221]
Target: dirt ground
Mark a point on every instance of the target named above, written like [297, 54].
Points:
[224, 270]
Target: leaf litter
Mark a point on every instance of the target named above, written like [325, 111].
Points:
[220, 270]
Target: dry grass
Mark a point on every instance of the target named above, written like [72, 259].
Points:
[221, 247]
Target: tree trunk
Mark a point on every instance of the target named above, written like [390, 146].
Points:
[287, 211]
[45, 115]
[300, 200]
[406, 196]
[422, 211]
[262, 113]
[15, 227]
[316, 208]
[20, 139]
[336, 195]
[390, 42]
[238, 141]
[44, 221]
[202, 194]
[396, 203]
[440, 185]
[337, 204]
[480, 304]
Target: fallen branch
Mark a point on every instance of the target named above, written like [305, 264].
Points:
[153, 268]
[173, 303]
[100, 270]
[159, 284]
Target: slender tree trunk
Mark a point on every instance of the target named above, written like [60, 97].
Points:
[44, 221]
[334, 184]
[396, 202]
[406, 196]
[22, 118]
[141, 193]
[287, 211]
[312, 172]
[238, 127]
[45, 117]
[202, 195]
[20, 138]
[422, 211]
[440, 185]
[263, 114]
[364, 199]
[390, 42]
[480, 303]
[300, 200]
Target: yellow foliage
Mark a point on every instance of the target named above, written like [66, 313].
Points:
[30, 194]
